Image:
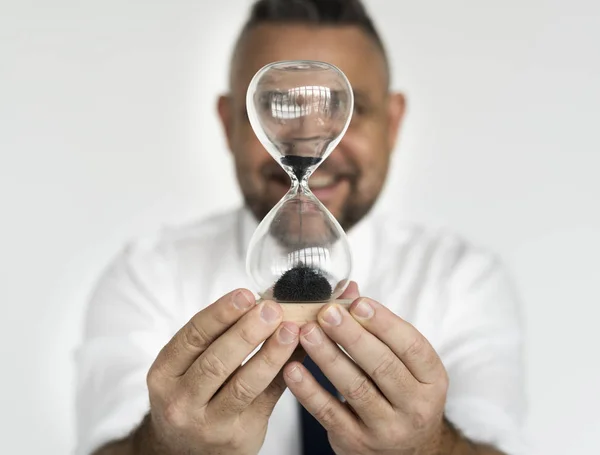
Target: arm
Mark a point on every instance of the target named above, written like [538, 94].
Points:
[140, 441]
[200, 399]
[458, 444]
[122, 447]
[482, 350]
[126, 326]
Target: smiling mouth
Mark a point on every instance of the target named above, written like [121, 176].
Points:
[316, 182]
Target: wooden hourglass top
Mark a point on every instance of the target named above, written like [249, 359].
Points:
[304, 312]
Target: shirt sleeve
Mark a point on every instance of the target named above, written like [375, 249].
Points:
[482, 352]
[128, 320]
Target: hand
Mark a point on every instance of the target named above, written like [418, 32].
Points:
[395, 389]
[201, 400]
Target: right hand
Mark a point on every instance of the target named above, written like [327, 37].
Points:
[201, 400]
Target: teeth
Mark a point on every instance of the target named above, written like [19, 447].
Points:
[321, 181]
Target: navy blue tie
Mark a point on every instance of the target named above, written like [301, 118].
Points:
[314, 436]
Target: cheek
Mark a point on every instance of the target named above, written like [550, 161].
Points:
[250, 157]
[367, 149]
[248, 152]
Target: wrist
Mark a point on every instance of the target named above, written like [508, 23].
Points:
[450, 439]
[144, 439]
[442, 441]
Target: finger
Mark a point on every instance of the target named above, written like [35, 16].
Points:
[351, 291]
[409, 345]
[265, 403]
[376, 359]
[255, 376]
[202, 329]
[352, 382]
[328, 410]
[208, 373]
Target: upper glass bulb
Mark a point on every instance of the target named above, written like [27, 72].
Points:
[299, 111]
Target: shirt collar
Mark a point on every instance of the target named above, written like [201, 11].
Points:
[361, 238]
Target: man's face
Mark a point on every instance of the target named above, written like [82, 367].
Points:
[350, 180]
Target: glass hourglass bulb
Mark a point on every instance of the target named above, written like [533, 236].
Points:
[299, 111]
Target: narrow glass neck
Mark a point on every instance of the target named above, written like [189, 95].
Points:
[300, 186]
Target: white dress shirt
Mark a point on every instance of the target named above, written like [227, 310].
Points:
[458, 296]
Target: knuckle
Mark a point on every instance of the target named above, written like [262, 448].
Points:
[272, 393]
[211, 366]
[196, 336]
[415, 347]
[430, 358]
[387, 366]
[421, 415]
[356, 340]
[212, 437]
[361, 389]
[276, 388]
[174, 415]
[153, 379]
[444, 382]
[221, 316]
[390, 436]
[336, 357]
[237, 444]
[270, 363]
[247, 335]
[326, 414]
[241, 391]
[272, 357]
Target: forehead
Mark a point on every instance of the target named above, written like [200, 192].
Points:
[347, 47]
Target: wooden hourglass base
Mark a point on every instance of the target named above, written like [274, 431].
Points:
[301, 313]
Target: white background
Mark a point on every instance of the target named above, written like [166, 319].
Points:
[108, 129]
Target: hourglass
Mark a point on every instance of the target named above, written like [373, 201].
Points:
[299, 255]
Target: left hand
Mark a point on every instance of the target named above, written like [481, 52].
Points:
[395, 388]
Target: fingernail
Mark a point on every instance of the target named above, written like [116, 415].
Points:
[295, 374]
[333, 316]
[268, 313]
[363, 310]
[315, 336]
[287, 336]
[241, 301]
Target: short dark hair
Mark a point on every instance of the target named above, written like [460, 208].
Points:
[315, 12]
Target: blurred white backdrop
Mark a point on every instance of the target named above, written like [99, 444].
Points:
[108, 130]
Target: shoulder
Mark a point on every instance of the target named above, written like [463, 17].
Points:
[171, 240]
[444, 284]
[200, 231]
[151, 260]
[145, 275]
[437, 255]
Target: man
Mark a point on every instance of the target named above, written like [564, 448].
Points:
[436, 363]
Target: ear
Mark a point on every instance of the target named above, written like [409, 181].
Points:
[396, 109]
[225, 110]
